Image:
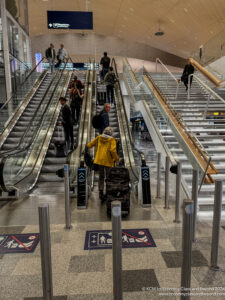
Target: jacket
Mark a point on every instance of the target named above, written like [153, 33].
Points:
[105, 62]
[48, 53]
[110, 78]
[106, 153]
[66, 116]
[104, 121]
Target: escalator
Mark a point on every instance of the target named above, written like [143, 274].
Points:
[20, 166]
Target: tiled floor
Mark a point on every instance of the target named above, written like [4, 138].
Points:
[87, 275]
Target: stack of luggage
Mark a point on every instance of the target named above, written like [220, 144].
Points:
[118, 189]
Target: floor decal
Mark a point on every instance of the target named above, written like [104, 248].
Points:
[131, 238]
[18, 243]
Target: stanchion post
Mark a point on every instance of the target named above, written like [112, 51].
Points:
[158, 190]
[218, 196]
[67, 197]
[45, 244]
[178, 193]
[167, 192]
[117, 250]
[188, 209]
[195, 180]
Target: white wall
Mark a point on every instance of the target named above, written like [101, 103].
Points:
[93, 45]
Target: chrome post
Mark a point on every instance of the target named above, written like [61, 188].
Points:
[207, 105]
[188, 209]
[45, 245]
[178, 193]
[167, 192]
[189, 86]
[218, 196]
[117, 250]
[158, 190]
[195, 180]
[67, 197]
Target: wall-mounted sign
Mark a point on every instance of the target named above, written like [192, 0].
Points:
[69, 19]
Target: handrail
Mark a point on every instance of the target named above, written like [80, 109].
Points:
[206, 73]
[12, 96]
[189, 140]
[2, 163]
[35, 114]
[22, 62]
[205, 86]
[127, 121]
[168, 71]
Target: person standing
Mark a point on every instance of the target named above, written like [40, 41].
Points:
[50, 55]
[104, 117]
[78, 84]
[76, 101]
[67, 123]
[110, 80]
[62, 54]
[188, 70]
[105, 156]
[105, 62]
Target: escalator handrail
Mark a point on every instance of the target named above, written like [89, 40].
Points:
[3, 160]
[127, 121]
[22, 62]
[7, 152]
[13, 95]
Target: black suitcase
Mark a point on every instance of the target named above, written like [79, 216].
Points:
[118, 189]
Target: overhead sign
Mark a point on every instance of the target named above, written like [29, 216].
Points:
[131, 238]
[69, 20]
[18, 243]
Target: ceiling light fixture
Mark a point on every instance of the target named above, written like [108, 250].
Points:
[159, 32]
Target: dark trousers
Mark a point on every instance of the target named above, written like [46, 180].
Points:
[103, 72]
[75, 109]
[103, 174]
[110, 93]
[186, 82]
[68, 131]
[58, 63]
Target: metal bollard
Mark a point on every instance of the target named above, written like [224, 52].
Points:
[218, 196]
[195, 180]
[188, 209]
[178, 193]
[117, 250]
[67, 197]
[45, 244]
[167, 192]
[158, 175]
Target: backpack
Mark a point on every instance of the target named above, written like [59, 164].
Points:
[76, 99]
[111, 78]
[97, 121]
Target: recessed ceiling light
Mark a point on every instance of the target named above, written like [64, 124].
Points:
[185, 9]
[131, 9]
[172, 21]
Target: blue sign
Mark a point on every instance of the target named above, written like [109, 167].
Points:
[70, 19]
[131, 238]
[18, 243]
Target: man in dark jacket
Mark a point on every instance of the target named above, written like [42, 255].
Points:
[105, 62]
[188, 70]
[104, 117]
[67, 123]
[50, 55]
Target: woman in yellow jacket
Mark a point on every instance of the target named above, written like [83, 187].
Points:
[105, 156]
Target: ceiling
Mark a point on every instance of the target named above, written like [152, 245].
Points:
[187, 23]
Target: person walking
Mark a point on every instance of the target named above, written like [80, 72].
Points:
[110, 80]
[105, 156]
[50, 55]
[62, 54]
[67, 123]
[76, 102]
[188, 70]
[105, 62]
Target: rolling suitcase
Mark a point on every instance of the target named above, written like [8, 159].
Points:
[118, 189]
[60, 145]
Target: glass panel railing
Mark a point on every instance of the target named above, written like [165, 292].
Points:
[19, 165]
[25, 79]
